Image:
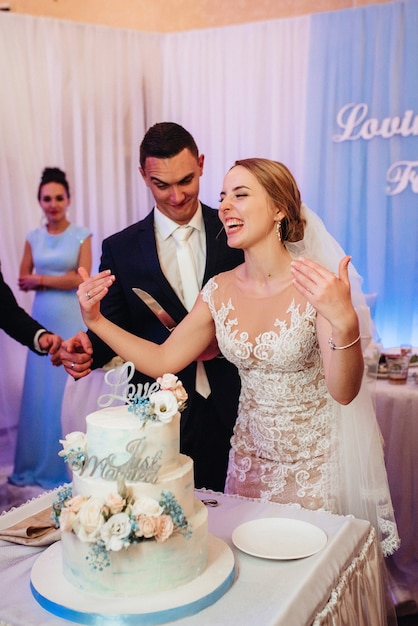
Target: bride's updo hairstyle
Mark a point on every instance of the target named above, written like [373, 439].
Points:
[280, 185]
[53, 175]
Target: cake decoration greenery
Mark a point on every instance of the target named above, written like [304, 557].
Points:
[117, 521]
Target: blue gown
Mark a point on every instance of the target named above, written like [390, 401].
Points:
[36, 457]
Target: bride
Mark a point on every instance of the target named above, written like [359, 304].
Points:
[306, 431]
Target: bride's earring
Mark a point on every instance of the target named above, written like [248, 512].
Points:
[279, 230]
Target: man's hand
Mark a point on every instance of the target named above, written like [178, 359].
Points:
[51, 343]
[76, 355]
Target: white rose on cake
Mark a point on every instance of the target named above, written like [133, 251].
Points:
[115, 531]
[67, 519]
[75, 441]
[74, 449]
[115, 502]
[164, 528]
[146, 506]
[146, 526]
[89, 520]
[165, 405]
[170, 382]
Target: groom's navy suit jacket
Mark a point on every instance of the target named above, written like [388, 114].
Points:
[132, 257]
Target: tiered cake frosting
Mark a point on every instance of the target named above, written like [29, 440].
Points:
[131, 524]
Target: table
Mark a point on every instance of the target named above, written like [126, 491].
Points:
[397, 414]
[340, 585]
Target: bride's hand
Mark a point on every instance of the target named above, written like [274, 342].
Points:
[328, 293]
[91, 291]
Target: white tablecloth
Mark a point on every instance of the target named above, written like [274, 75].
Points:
[338, 586]
[397, 414]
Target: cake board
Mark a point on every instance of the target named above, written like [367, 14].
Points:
[58, 596]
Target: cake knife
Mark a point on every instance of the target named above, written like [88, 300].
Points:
[156, 308]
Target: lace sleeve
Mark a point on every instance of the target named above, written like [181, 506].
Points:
[207, 293]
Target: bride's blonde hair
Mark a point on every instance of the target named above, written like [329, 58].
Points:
[281, 186]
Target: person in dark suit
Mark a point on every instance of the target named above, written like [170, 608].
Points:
[144, 255]
[21, 326]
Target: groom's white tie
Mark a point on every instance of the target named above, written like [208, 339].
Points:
[191, 290]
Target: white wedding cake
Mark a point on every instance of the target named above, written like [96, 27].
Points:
[130, 524]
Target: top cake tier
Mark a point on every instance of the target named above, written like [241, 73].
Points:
[143, 452]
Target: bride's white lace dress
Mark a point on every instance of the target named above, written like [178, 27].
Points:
[287, 440]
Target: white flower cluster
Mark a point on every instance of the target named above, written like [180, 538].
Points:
[74, 449]
[118, 521]
[162, 405]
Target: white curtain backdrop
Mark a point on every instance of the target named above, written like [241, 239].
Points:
[75, 96]
[81, 97]
[241, 91]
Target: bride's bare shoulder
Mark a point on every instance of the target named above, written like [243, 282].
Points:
[228, 277]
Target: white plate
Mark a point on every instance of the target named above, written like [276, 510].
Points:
[279, 538]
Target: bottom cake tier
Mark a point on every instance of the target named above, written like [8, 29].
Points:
[143, 568]
[56, 595]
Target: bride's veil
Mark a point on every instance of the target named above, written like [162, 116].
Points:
[364, 490]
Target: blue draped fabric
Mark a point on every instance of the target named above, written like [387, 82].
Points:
[361, 164]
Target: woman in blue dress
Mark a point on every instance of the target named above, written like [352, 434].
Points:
[51, 256]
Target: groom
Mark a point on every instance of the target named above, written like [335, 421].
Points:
[144, 255]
